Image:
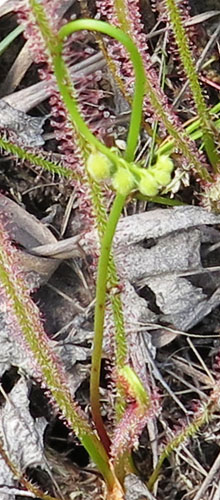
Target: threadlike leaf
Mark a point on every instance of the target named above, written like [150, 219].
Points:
[190, 70]
[27, 328]
[36, 160]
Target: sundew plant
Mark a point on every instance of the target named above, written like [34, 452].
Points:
[106, 180]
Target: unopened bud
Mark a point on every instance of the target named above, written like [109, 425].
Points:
[123, 181]
[99, 166]
[148, 185]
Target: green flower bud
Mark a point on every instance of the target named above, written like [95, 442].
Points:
[99, 166]
[164, 163]
[123, 181]
[148, 184]
[162, 177]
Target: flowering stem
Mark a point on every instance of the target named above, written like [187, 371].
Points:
[54, 44]
[102, 276]
[133, 133]
[66, 92]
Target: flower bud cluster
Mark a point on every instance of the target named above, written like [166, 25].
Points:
[128, 176]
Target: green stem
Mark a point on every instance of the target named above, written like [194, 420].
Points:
[100, 314]
[190, 69]
[66, 91]
[132, 139]
[196, 123]
[194, 131]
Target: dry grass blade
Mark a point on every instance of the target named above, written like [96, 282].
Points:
[211, 476]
